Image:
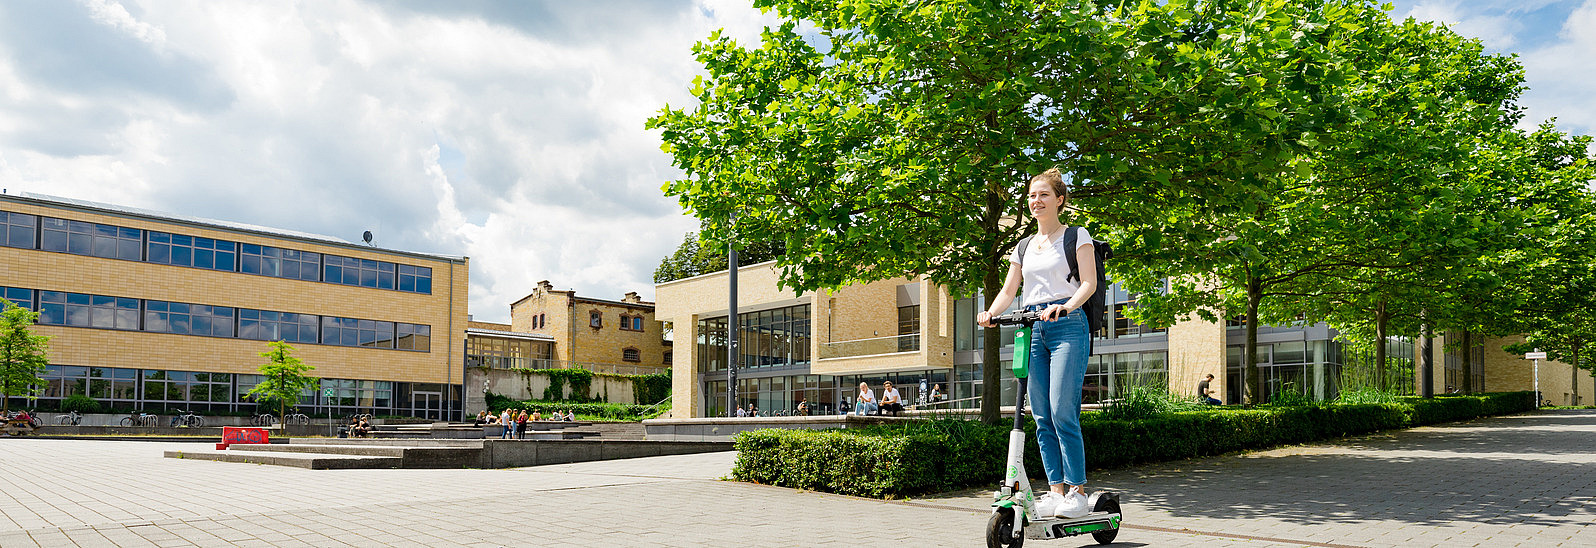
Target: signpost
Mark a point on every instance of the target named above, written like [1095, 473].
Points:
[1537, 355]
[326, 395]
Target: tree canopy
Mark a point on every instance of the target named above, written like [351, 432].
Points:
[284, 378]
[694, 257]
[1237, 154]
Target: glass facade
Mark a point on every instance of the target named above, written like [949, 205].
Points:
[123, 390]
[18, 229]
[132, 244]
[192, 251]
[503, 353]
[107, 312]
[767, 338]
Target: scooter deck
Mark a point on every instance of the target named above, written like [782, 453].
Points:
[1069, 527]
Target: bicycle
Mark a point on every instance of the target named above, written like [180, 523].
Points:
[296, 418]
[264, 419]
[139, 419]
[186, 419]
[71, 419]
[32, 417]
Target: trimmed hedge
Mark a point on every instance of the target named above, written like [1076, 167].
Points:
[611, 411]
[939, 455]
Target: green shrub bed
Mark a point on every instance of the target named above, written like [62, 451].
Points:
[930, 456]
[585, 411]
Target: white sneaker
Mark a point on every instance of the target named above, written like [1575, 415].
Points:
[1046, 505]
[1072, 505]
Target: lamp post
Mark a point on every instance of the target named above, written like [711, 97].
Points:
[731, 324]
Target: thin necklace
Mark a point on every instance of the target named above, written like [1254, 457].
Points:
[1041, 243]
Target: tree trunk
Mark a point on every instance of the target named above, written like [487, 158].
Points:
[1427, 358]
[1573, 375]
[1467, 378]
[991, 346]
[1249, 366]
[1380, 318]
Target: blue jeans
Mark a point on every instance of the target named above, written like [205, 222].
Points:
[1059, 350]
[865, 408]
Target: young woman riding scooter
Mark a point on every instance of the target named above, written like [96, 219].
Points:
[1060, 344]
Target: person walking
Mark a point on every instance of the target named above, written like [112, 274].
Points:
[1061, 341]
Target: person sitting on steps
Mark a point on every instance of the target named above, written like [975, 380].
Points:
[890, 400]
[865, 404]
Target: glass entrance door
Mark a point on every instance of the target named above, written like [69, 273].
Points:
[428, 405]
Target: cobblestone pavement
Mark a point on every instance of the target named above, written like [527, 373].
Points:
[1517, 481]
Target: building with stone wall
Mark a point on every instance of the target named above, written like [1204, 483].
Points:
[603, 335]
[819, 346]
[156, 311]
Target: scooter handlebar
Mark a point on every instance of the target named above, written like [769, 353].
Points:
[1017, 317]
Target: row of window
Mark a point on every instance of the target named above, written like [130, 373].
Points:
[153, 389]
[132, 244]
[82, 310]
[595, 319]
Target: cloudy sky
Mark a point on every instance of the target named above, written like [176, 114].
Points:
[511, 132]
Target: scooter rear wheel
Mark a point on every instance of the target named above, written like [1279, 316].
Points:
[1110, 505]
[1000, 530]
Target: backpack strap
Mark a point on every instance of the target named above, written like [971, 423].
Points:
[1070, 235]
[1024, 242]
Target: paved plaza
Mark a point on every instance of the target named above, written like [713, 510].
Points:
[1525, 480]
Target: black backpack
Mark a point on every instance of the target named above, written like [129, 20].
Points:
[1096, 306]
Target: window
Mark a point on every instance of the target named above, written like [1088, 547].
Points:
[361, 272]
[79, 310]
[637, 323]
[414, 337]
[667, 358]
[631, 355]
[181, 250]
[80, 238]
[355, 332]
[22, 297]
[188, 319]
[908, 328]
[17, 229]
[279, 263]
[595, 319]
[415, 279]
[265, 325]
[631, 323]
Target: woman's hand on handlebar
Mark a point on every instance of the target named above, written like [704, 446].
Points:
[1053, 312]
[984, 319]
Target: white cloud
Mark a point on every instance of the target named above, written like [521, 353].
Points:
[509, 132]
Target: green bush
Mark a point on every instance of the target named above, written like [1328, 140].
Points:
[80, 403]
[938, 455]
[651, 389]
[1139, 402]
[604, 411]
[1366, 395]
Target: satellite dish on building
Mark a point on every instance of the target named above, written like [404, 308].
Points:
[366, 237]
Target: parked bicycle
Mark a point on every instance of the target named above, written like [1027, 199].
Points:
[187, 420]
[264, 419]
[70, 419]
[297, 418]
[140, 419]
[23, 415]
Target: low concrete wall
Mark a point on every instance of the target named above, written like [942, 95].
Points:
[516, 453]
[721, 429]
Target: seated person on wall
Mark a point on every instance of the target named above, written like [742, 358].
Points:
[890, 400]
[482, 418]
[803, 407]
[865, 404]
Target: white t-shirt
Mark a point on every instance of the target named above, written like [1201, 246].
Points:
[867, 396]
[889, 395]
[1047, 270]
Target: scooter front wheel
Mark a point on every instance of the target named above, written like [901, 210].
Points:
[1000, 530]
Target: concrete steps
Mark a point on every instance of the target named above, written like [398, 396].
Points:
[313, 461]
[611, 430]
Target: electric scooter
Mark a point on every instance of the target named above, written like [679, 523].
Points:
[1014, 516]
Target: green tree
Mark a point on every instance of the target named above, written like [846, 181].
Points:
[694, 257]
[23, 355]
[896, 139]
[1374, 189]
[285, 378]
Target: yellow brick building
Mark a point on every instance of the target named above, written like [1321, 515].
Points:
[819, 346]
[155, 311]
[601, 335]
